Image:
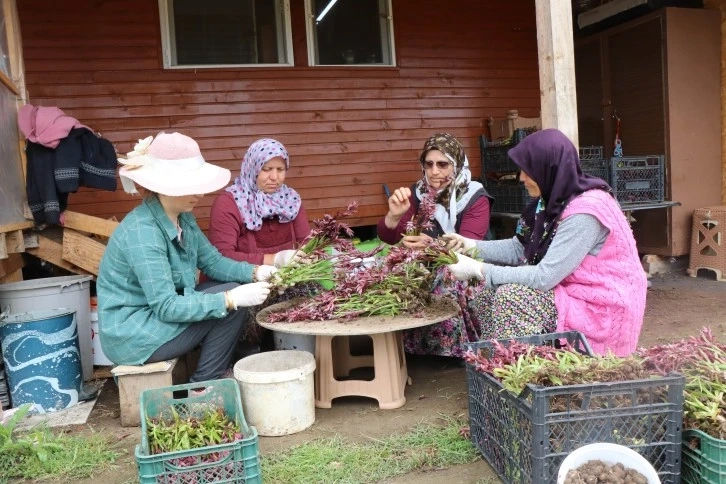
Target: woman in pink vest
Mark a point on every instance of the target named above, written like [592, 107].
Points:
[573, 264]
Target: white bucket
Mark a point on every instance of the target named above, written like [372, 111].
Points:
[99, 357]
[290, 341]
[71, 292]
[278, 391]
[609, 454]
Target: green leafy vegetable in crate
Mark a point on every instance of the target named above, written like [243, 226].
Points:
[519, 364]
[212, 427]
[703, 362]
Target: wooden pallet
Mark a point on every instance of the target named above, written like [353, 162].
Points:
[12, 244]
[76, 247]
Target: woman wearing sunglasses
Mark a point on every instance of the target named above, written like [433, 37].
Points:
[463, 206]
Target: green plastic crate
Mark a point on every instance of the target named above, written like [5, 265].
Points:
[232, 462]
[704, 458]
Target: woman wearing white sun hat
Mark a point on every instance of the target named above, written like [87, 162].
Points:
[150, 307]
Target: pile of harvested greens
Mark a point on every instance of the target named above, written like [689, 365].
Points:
[703, 362]
[395, 284]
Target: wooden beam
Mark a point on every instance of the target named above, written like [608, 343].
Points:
[557, 66]
[15, 47]
[16, 276]
[12, 264]
[721, 5]
[30, 240]
[14, 242]
[82, 250]
[16, 226]
[88, 223]
[52, 251]
[11, 243]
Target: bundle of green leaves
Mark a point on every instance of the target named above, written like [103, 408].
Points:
[397, 283]
[212, 427]
[703, 362]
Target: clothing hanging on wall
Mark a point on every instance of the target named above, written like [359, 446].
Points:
[62, 154]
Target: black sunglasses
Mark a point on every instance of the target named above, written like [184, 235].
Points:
[442, 165]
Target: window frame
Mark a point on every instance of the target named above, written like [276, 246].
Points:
[312, 43]
[167, 46]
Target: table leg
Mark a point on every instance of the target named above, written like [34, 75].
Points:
[324, 377]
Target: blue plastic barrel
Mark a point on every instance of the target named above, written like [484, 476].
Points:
[42, 358]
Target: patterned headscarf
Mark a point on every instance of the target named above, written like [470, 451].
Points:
[452, 199]
[253, 203]
[550, 159]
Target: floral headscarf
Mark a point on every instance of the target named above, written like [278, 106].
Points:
[253, 203]
[454, 198]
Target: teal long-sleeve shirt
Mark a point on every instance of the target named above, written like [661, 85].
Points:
[146, 282]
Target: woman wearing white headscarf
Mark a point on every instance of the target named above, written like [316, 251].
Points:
[462, 206]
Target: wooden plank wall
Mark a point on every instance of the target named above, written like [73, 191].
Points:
[348, 129]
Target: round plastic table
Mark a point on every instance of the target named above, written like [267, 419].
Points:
[334, 361]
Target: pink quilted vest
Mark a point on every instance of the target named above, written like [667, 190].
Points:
[605, 297]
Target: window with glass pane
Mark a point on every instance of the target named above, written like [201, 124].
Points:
[226, 32]
[351, 32]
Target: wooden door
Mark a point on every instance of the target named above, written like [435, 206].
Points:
[589, 81]
[12, 180]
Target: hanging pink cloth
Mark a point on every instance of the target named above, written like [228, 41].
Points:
[46, 125]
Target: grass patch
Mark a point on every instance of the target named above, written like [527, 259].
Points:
[41, 454]
[427, 446]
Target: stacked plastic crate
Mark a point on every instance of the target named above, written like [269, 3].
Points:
[594, 163]
[500, 175]
[634, 179]
[638, 179]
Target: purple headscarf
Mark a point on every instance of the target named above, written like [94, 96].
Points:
[253, 203]
[552, 161]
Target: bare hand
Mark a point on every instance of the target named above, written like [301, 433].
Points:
[416, 241]
[399, 202]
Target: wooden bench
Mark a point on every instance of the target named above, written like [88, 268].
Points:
[132, 380]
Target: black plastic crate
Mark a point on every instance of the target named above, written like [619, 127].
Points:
[525, 441]
[637, 179]
[495, 154]
[596, 167]
[556, 340]
[591, 153]
[510, 196]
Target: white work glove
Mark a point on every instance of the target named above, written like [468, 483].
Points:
[252, 294]
[263, 273]
[284, 257]
[458, 243]
[466, 268]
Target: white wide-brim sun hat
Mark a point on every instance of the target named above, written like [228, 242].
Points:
[171, 164]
